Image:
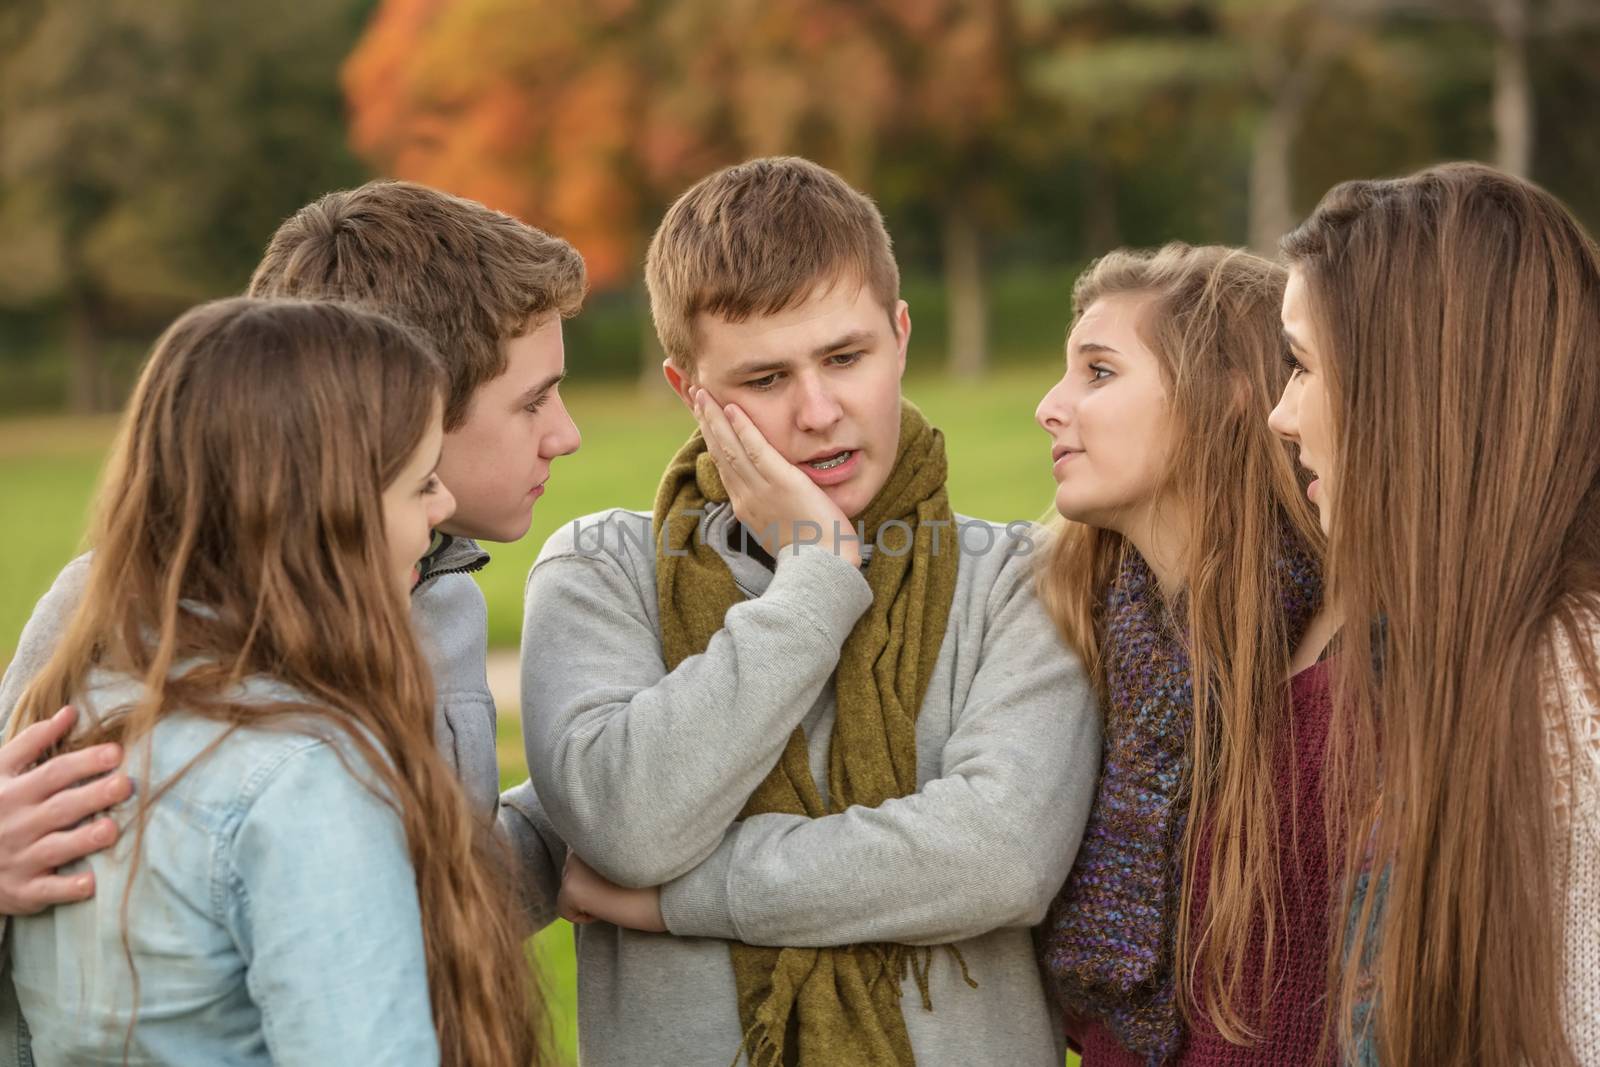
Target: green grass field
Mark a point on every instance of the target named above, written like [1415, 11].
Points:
[999, 469]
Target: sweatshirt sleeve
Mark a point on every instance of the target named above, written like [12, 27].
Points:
[641, 770]
[537, 855]
[1575, 746]
[42, 633]
[984, 845]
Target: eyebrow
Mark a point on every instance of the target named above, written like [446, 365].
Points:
[1293, 342]
[1096, 346]
[539, 390]
[435, 468]
[853, 339]
[759, 366]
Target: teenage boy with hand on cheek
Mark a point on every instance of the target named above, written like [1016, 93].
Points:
[826, 762]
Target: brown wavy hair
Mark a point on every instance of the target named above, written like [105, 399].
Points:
[1458, 313]
[248, 479]
[754, 239]
[1212, 320]
[467, 276]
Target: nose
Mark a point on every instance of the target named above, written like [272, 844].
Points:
[444, 506]
[819, 408]
[1051, 414]
[563, 438]
[1284, 419]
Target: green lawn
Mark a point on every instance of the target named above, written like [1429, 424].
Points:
[999, 469]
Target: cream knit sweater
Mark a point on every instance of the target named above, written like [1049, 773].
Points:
[1575, 750]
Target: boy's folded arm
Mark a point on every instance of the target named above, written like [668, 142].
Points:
[536, 854]
[641, 770]
[985, 845]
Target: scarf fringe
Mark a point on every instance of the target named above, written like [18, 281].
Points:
[764, 1046]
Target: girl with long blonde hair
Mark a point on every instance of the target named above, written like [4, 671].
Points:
[1446, 338]
[299, 879]
[1186, 572]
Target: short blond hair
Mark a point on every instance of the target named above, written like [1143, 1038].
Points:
[469, 277]
[756, 239]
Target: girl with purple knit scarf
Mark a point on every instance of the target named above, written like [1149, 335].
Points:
[1186, 571]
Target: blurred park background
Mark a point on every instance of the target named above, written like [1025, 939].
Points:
[148, 148]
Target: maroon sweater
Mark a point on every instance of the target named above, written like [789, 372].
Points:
[1293, 1020]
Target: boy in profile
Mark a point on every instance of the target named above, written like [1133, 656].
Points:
[490, 293]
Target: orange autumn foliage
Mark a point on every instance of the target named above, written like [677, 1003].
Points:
[532, 111]
[586, 117]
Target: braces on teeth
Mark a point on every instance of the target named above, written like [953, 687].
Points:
[829, 464]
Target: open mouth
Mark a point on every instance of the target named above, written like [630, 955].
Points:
[828, 463]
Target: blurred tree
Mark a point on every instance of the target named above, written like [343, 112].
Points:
[1513, 90]
[1515, 26]
[150, 148]
[1262, 61]
[1288, 47]
[922, 101]
[592, 124]
[587, 127]
[949, 110]
[966, 128]
[1129, 80]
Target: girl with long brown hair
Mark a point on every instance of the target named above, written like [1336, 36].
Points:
[301, 880]
[1446, 335]
[1186, 572]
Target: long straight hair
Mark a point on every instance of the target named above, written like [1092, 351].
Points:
[1458, 313]
[247, 480]
[1212, 320]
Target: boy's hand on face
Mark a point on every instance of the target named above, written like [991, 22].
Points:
[770, 496]
[587, 896]
[41, 805]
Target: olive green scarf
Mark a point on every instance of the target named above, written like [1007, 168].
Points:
[835, 1007]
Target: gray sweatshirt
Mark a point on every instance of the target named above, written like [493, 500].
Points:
[451, 620]
[644, 774]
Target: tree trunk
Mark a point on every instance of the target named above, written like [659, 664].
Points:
[1513, 93]
[1272, 176]
[650, 352]
[966, 301]
[1272, 155]
[1100, 231]
[85, 370]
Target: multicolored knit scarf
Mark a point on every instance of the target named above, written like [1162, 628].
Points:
[1107, 943]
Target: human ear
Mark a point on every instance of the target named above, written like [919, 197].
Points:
[680, 381]
[902, 331]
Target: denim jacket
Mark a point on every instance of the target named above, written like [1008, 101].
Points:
[273, 913]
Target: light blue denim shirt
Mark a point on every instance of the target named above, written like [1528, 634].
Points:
[273, 915]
